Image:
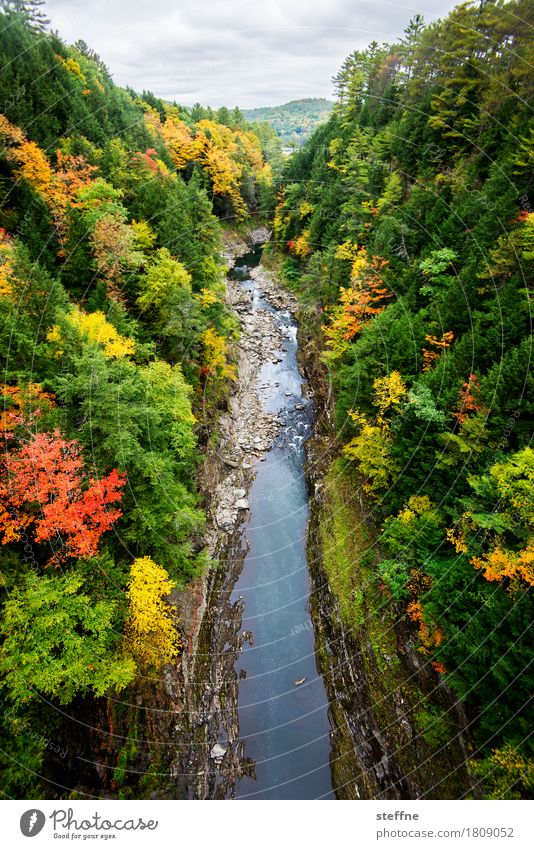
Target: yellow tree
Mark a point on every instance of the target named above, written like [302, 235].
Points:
[94, 327]
[58, 188]
[225, 175]
[371, 448]
[150, 631]
[7, 252]
[435, 347]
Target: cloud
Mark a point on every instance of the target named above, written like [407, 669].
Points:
[228, 52]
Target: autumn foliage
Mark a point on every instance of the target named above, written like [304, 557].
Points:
[151, 634]
[469, 401]
[358, 303]
[435, 347]
[430, 636]
[21, 406]
[44, 490]
[58, 187]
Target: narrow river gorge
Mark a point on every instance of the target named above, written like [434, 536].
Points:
[280, 699]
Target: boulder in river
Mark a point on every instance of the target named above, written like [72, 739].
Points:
[218, 752]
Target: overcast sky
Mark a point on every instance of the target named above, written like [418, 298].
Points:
[232, 52]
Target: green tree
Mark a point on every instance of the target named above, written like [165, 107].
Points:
[58, 643]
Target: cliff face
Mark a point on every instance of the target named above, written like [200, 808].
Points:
[398, 732]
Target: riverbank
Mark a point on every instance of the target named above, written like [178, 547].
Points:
[398, 731]
[160, 741]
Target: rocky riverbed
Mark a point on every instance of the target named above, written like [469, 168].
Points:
[247, 431]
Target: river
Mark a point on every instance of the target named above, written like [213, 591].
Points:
[282, 707]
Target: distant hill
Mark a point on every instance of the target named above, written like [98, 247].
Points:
[293, 122]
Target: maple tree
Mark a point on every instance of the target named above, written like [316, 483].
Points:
[359, 303]
[93, 327]
[7, 250]
[390, 177]
[508, 774]
[21, 406]
[469, 399]
[435, 269]
[430, 635]
[503, 506]
[43, 488]
[215, 359]
[399, 171]
[502, 564]
[389, 392]
[225, 154]
[72, 173]
[435, 348]
[33, 166]
[58, 641]
[58, 187]
[514, 250]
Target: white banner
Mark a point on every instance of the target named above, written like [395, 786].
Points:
[277, 825]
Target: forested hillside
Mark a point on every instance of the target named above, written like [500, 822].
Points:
[114, 346]
[294, 122]
[408, 233]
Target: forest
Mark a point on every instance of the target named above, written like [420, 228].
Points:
[293, 122]
[408, 232]
[404, 226]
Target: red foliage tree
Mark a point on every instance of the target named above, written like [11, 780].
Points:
[44, 485]
[468, 399]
